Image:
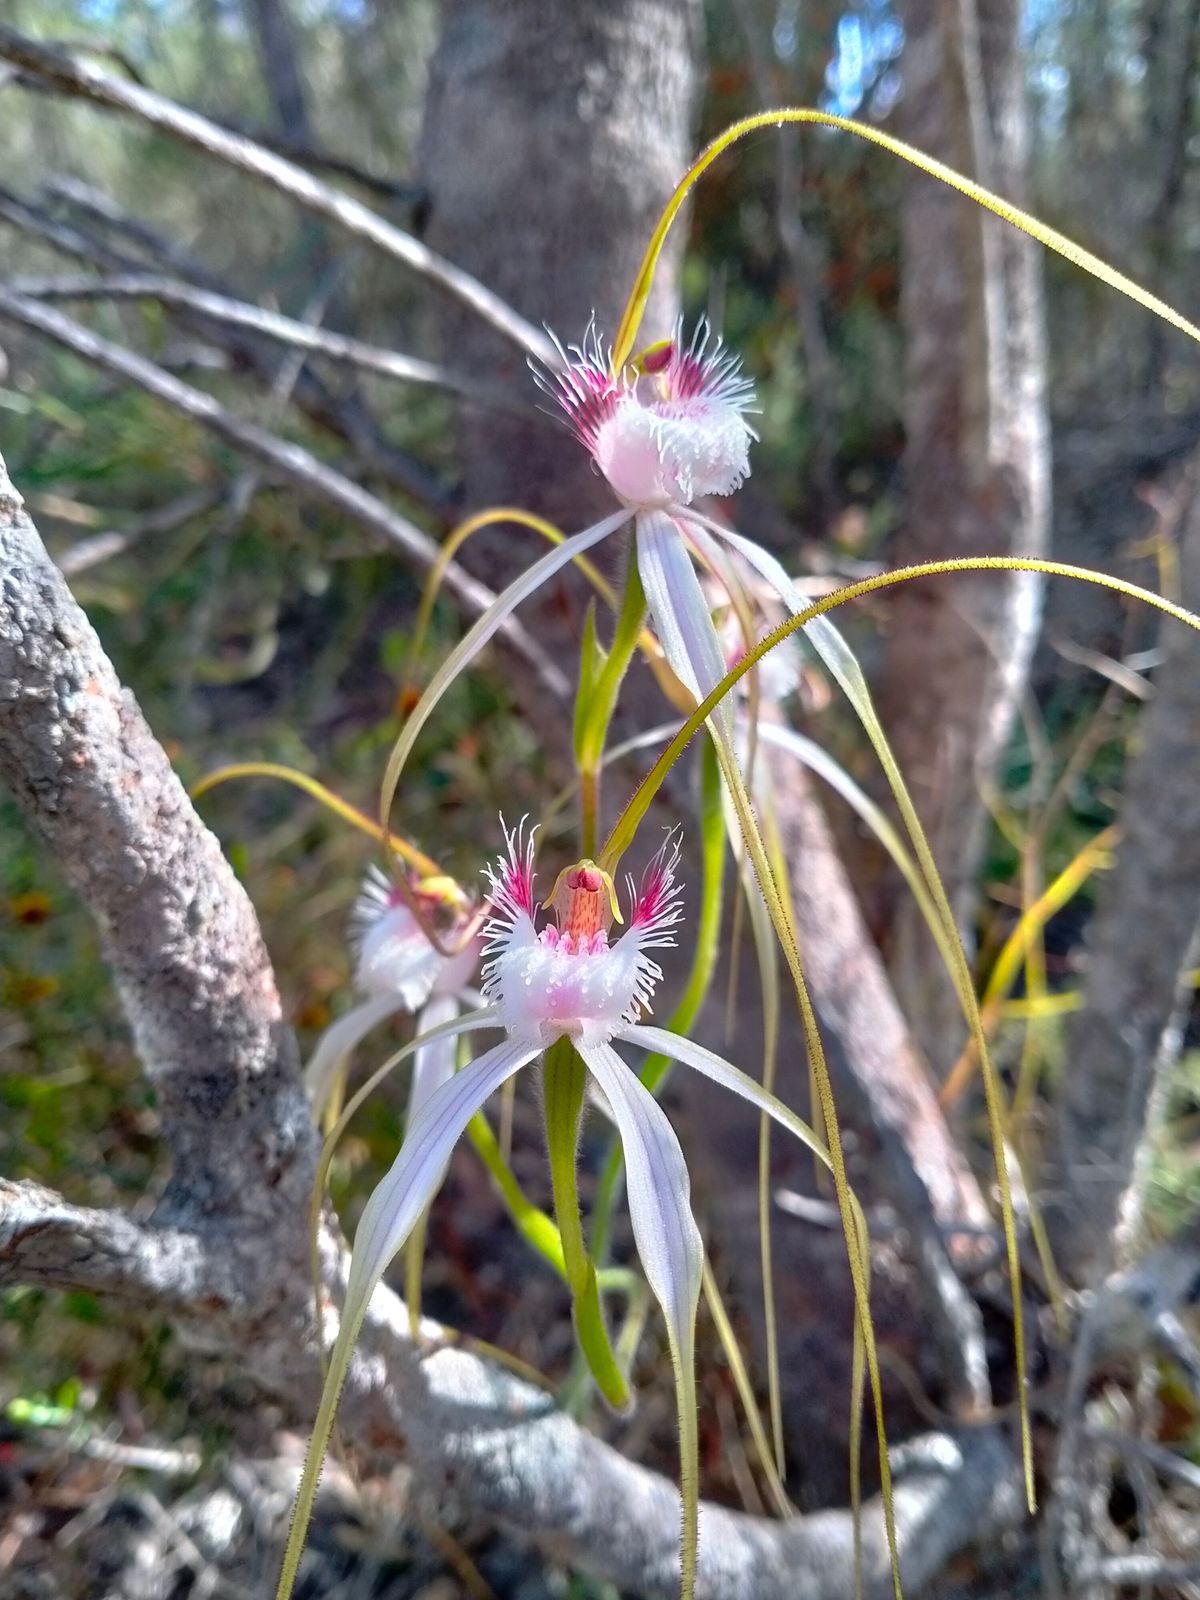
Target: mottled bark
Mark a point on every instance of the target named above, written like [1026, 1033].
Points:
[1125, 1041]
[279, 58]
[976, 459]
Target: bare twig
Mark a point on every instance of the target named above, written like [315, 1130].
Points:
[90, 552]
[1138, 1568]
[272, 325]
[342, 417]
[82, 80]
[291, 461]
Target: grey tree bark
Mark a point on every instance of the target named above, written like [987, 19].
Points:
[976, 460]
[553, 136]
[1123, 1044]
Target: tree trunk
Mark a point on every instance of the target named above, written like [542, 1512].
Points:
[1124, 1042]
[976, 461]
[280, 61]
[553, 136]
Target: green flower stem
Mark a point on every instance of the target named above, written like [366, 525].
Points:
[534, 1226]
[598, 698]
[565, 1081]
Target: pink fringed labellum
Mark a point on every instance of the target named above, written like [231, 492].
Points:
[566, 979]
[670, 430]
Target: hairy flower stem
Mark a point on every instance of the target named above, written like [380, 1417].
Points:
[598, 701]
[564, 1084]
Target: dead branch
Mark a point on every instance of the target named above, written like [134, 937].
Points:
[342, 416]
[90, 552]
[289, 460]
[81, 80]
[272, 325]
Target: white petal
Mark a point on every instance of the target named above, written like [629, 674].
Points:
[682, 619]
[340, 1038]
[819, 631]
[333, 1048]
[668, 1240]
[416, 1174]
[434, 1062]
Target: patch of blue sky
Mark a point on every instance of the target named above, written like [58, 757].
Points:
[868, 41]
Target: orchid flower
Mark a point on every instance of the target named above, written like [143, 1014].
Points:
[669, 428]
[666, 430]
[397, 969]
[546, 981]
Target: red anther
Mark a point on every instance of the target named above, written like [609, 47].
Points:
[590, 879]
[658, 359]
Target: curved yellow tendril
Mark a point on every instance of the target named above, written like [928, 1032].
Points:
[407, 852]
[1050, 237]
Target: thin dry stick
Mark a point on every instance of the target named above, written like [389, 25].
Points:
[88, 82]
[290, 460]
[90, 552]
[271, 325]
[354, 428]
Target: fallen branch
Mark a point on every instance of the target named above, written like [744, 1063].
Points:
[90, 552]
[343, 416]
[290, 461]
[272, 325]
[84, 81]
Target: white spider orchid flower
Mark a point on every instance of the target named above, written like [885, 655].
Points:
[668, 429]
[671, 433]
[566, 979]
[397, 969]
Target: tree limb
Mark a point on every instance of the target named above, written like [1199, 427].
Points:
[290, 460]
[84, 81]
[272, 325]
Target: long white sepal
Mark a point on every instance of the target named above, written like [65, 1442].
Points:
[486, 627]
[339, 1039]
[434, 1062]
[682, 619]
[672, 1257]
[690, 1054]
[821, 633]
[416, 1174]
[667, 1238]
